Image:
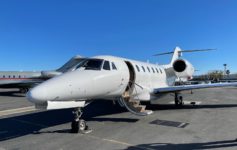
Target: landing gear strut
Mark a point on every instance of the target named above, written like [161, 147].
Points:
[178, 100]
[79, 125]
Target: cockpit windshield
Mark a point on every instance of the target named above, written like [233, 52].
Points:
[91, 64]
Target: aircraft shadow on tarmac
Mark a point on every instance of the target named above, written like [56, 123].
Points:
[185, 146]
[12, 94]
[200, 106]
[19, 126]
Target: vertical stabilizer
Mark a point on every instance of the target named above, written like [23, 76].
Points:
[176, 55]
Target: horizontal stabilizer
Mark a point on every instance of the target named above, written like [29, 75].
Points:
[185, 51]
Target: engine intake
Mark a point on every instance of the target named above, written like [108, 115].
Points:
[183, 69]
[179, 65]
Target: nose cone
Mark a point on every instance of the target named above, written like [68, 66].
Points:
[36, 95]
[75, 85]
[59, 88]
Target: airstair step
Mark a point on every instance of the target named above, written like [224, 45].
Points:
[141, 108]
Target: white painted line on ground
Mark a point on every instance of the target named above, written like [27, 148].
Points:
[16, 111]
[188, 102]
[182, 124]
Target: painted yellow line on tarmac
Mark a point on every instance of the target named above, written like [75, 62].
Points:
[119, 142]
[16, 111]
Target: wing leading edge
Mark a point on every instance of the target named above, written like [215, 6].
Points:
[171, 89]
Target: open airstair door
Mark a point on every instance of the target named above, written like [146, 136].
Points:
[127, 100]
[132, 77]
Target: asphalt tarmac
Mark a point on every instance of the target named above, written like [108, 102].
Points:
[212, 124]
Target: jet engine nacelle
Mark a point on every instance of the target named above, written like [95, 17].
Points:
[183, 68]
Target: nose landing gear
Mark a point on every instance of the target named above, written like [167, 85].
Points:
[79, 125]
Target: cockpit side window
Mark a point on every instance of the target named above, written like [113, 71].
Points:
[71, 64]
[91, 64]
[106, 65]
[113, 66]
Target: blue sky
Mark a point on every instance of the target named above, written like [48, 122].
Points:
[44, 34]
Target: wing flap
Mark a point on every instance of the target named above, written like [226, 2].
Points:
[191, 87]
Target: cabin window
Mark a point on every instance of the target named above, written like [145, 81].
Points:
[9, 76]
[3, 76]
[161, 71]
[106, 65]
[157, 70]
[143, 69]
[153, 69]
[148, 69]
[13, 76]
[19, 76]
[113, 66]
[138, 69]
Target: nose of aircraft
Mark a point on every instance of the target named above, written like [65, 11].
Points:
[36, 95]
[75, 85]
[60, 88]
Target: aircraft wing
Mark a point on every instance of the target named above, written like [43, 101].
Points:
[20, 83]
[171, 89]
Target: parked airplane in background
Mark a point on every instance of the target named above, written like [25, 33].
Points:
[113, 78]
[27, 79]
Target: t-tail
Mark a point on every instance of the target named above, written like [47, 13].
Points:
[176, 55]
[182, 68]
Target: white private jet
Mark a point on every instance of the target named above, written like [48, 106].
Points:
[113, 78]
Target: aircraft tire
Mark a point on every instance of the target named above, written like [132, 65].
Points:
[75, 127]
[82, 125]
[24, 90]
[179, 101]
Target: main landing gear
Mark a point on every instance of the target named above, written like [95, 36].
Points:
[178, 100]
[79, 125]
[24, 90]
